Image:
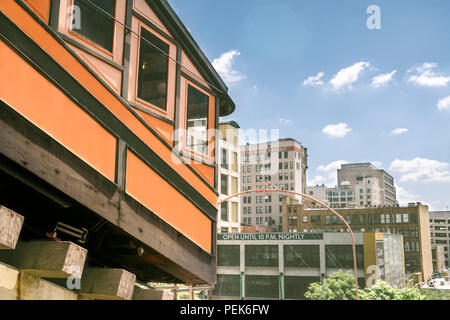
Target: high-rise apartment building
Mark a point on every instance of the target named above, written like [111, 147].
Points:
[229, 219]
[373, 186]
[278, 164]
[440, 231]
[359, 185]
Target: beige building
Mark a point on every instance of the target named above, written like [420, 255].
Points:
[277, 164]
[372, 186]
[229, 219]
[440, 232]
[437, 253]
[359, 185]
[411, 221]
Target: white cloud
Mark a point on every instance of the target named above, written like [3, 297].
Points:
[422, 170]
[314, 81]
[425, 76]
[284, 121]
[339, 130]
[444, 103]
[347, 76]
[398, 131]
[224, 66]
[383, 79]
[329, 171]
[404, 196]
[316, 180]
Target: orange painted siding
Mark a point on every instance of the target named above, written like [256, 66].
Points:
[41, 8]
[38, 100]
[79, 72]
[205, 171]
[159, 196]
[163, 128]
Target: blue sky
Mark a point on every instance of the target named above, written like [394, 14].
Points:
[315, 71]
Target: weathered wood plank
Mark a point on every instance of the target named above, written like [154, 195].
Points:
[108, 284]
[10, 226]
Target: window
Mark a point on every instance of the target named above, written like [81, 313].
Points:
[224, 230]
[292, 165]
[341, 256]
[234, 165]
[285, 154]
[223, 184]
[262, 286]
[292, 221]
[228, 255]
[362, 219]
[96, 26]
[261, 256]
[153, 70]
[197, 120]
[280, 176]
[224, 211]
[303, 256]
[280, 165]
[305, 219]
[405, 218]
[298, 165]
[227, 285]
[286, 164]
[224, 159]
[315, 220]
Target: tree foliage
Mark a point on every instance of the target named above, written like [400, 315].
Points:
[383, 291]
[337, 286]
[341, 286]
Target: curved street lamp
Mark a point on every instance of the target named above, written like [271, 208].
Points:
[310, 198]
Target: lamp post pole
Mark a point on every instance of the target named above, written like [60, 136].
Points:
[355, 269]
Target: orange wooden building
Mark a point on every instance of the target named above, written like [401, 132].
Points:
[107, 118]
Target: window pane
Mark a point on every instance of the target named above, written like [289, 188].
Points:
[295, 287]
[301, 256]
[262, 286]
[228, 255]
[261, 256]
[96, 25]
[153, 68]
[197, 120]
[224, 211]
[223, 184]
[227, 285]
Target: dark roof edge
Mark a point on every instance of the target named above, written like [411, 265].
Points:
[226, 107]
[231, 123]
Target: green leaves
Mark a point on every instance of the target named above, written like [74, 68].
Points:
[383, 291]
[337, 286]
[341, 286]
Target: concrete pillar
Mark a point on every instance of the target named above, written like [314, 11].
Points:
[151, 294]
[107, 284]
[242, 267]
[10, 226]
[322, 260]
[47, 259]
[281, 268]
